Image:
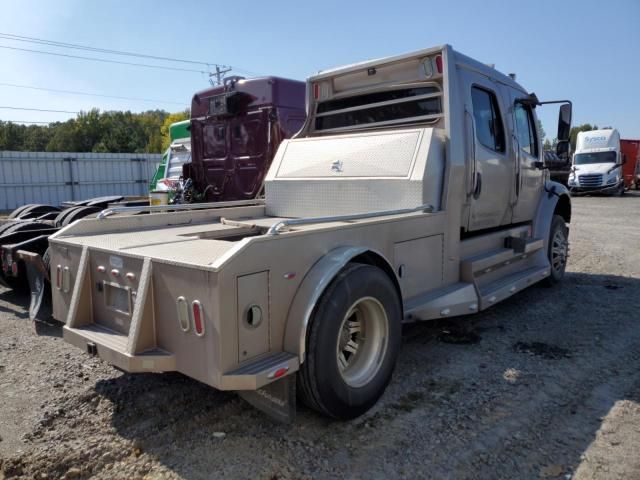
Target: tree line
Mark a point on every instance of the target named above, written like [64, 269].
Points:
[573, 136]
[126, 132]
[94, 131]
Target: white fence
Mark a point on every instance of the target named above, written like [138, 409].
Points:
[52, 178]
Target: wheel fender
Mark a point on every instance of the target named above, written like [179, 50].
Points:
[313, 285]
[547, 206]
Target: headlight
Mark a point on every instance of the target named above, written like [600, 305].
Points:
[614, 177]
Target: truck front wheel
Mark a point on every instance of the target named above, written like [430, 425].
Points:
[352, 343]
[558, 250]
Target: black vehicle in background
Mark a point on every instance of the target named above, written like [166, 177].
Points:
[559, 168]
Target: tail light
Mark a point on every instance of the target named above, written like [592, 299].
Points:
[59, 277]
[183, 314]
[14, 269]
[198, 318]
[439, 64]
[316, 91]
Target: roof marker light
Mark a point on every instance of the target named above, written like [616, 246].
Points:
[183, 314]
[198, 318]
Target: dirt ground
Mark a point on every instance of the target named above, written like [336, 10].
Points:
[544, 385]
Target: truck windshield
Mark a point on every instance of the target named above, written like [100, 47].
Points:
[595, 157]
[380, 108]
[178, 155]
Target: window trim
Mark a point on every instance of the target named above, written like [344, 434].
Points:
[499, 116]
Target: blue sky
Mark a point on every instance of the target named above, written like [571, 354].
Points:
[587, 51]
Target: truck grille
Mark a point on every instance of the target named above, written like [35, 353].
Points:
[590, 180]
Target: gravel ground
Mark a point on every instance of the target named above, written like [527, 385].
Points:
[544, 385]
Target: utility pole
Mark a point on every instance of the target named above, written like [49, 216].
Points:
[219, 74]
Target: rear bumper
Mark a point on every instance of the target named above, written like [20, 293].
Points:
[111, 347]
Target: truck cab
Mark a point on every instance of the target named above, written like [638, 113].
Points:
[597, 163]
[236, 129]
[415, 190]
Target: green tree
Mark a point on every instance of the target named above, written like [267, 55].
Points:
[164, 130]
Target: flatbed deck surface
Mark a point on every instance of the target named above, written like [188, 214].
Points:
[193, 243]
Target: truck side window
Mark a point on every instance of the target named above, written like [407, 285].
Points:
[486, 113]
[526, 129]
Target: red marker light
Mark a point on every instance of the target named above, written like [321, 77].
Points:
[439, 63]
[14, 269]
[198, 320]
[316, 91]
[279, 372]
[59, 277]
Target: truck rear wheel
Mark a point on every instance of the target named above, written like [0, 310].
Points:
[352, 343]
[558, 250]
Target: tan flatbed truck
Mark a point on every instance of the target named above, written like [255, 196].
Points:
[414, 191]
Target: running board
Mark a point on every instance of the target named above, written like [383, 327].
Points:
[498, 290]
[457, 299]
[111, 346]
[260, 372]
[519, 249]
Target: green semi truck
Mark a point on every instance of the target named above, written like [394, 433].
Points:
[178, 153]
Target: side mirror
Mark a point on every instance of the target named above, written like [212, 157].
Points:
[562, 149]
[564, 123]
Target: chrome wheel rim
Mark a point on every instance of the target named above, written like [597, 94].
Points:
[559, 248]
[362, 341]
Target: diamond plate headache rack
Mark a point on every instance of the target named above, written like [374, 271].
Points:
[182, 206]
[277, 227]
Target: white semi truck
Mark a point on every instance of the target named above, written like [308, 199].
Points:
[414, 191]
[597, 163]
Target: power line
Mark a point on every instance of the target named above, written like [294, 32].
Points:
[25, 121]
[161, 67]
[73, 92]
[22, 38]
[37, 109]
[76, 46]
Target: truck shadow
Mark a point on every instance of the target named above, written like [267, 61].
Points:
[495, 384]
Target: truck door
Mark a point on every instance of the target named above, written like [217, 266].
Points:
[526, 152]
[492, 168]
[247, 162]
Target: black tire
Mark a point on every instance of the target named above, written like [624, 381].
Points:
[322, 384]
[22, 227]
[17, 211]
[35, 210]
[556, 252]
[7, 225]
[103, 202]
[19, 283]
[78, 213]
[61, 216]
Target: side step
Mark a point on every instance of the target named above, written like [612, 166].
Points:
[457, 299]
[260, 372]
[506, 286]
[486, 262]
[111, 346]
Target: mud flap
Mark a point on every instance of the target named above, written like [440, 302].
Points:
[37, 276]
[277, 400]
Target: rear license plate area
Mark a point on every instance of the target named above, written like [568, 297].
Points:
[117, 298]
